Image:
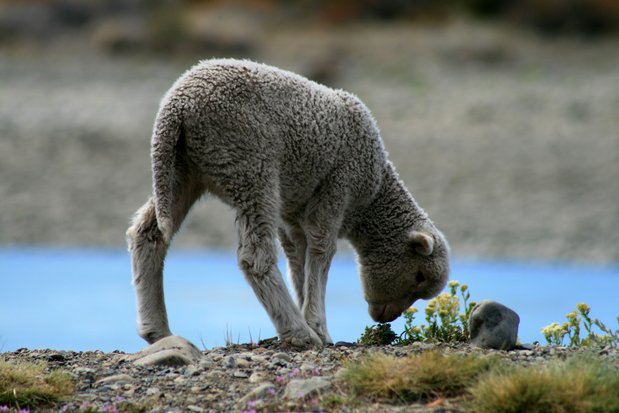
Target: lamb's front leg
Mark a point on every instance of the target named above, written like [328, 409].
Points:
[321, 248]
[258, 259]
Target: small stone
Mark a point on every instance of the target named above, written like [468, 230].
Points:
[207, 364]
[257, 393]
[194, 408]
[56, 357]
[180, 380]
[303, 388]
[229, 362]
[259, 359]
[169, 351]
[153, 391]
[492, 325]
[307, 368]
[281, 357]
[257, 377]
[192, 370]
[215, 375]
[242, 363]
[114, 380]
[241, 374]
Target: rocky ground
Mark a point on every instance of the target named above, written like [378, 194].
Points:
[249, 377]
[509, 140]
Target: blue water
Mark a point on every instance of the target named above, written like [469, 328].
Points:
[83, 299]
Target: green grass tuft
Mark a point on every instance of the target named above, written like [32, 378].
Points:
[28, 385]
[378, 335]
[414, 378]
[579, 385]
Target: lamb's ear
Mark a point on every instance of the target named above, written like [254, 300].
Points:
[422, 242]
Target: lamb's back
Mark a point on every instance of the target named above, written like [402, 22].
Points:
[241, 112]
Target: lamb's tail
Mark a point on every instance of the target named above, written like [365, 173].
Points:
[166, 133]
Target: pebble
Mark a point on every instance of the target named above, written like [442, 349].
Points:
[116, 379]
[301, 389]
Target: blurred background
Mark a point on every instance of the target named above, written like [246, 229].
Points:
[501, 116]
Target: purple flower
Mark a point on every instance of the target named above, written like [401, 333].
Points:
[85, 406]
[120, 399]
[316, 371]
[251, 404]
[24, 411]
[4, 408]
[249, 411]
[295, 372]
[271, 391]
[280, 379]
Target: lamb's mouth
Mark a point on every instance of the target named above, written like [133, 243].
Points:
[384, 313]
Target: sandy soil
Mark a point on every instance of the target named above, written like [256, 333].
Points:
[509, 141]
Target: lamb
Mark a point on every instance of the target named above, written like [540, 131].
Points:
[300, 163]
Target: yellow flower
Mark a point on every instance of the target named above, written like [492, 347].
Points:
[583, 308]
[553, 330]
[454, 284]
[411, 310]
[572, 316]
[464, 287]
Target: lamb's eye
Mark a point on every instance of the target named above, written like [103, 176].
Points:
[419, 277]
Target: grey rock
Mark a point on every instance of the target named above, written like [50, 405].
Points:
[192, 371]
[169, 351]
[153, 391]
[229, 362]
[493, 325]
[302, 388]
[116, 379]
[257, 393]
[257, 377]
[282, 356]
[241, 374]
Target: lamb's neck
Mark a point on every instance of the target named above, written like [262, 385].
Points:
[390, 216]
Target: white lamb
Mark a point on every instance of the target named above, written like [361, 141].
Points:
[298, 162]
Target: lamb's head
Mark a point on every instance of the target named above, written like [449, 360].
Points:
[397, 272]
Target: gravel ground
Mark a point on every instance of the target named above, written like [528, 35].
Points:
[226, 375]
[509, 141]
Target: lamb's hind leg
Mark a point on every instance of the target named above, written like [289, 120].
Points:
[148, 250]
[294, 244]
[258, 259]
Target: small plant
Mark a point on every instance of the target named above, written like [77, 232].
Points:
[555, 333]
[25, 385]
[378, 335]
[445, 322]
[578, 385]
[414, 378]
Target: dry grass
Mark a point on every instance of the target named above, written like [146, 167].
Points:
[27, 385]
[414, 378]
[581, 385]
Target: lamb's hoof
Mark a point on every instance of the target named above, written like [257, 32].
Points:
[322, 333]
[301, 339]
[152, 337]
